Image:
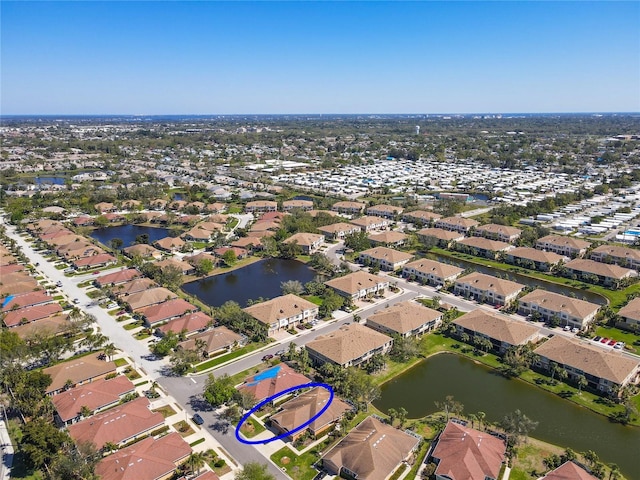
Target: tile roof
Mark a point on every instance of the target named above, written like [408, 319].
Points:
[404, 317]
[485, 282]
[46, 326]
[28, 299]
[458, 221]
[562, 241]
[30, 314]
[369, 220]
[485, 244]
[355, 282]
[191, 322]
[389, 236]
[439, 269]
[348, 343]
[423, 215]
[165, 310]
[98, 259]
[338, 227]
[77, 370]
[215, 339]
[388, 254]
[569, 471]
[466, 453]
[304, 239]
[118, 277]
[134, 286]
[631, 310]
[117, 424]
[147, 459]
[559, 303]
[92, 395]
[305, 406]
[498, 229]
[497, 326]
[285, 306]
[440, 234]
[372, 450]
[616, 251]
[598, 268]
[149, 297]
[272, 381]
[608, 364]
[535, 255]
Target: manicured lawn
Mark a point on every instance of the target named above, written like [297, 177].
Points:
[166, 411]
[132, 325]
[631, 339]
[251, 428]
[234, 209]
[132, 374]
[298, 468]
[183, 428]
[142, 335]
[197, 442]
[120, 362]
[229, 356]
[314, 299]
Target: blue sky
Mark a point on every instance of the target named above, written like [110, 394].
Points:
[318, 57]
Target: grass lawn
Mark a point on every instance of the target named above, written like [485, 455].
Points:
[115, 311]
[234, 209]
[251, 428]
[132, 374]
[229, 356]
[166, 411]
[132, 325]
[197, 442]
[86, 283]
[59, 297]
[94, 294]
[298, 468]
[120, 362]
[631, 339]
[314, 299]
[142, 335]
[183, 428]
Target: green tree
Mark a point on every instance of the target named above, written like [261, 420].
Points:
[404, 349]
[450, 406]
[581, 381]
[254, 471]
[218, 391]
[166, 344]
[289, 250]
[75, 462]
[41, 441]
[181, 360]
[229, 258]
[357, 242]
[331, 301]
[204, 267]
[517, 426]
[116, 243]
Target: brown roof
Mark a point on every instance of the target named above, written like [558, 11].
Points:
[458, 221]
[297, 203]
[148, 459]
[631, 310]
[94, 395]
[608, 364]
[599, 268]
[355, 282]
[262, 203]
[174, 262]
[314, 213]
[134, 286]
[485, 244]
[30, 314]
[195, 259]
[389, 236]
[440, 234]
[246, 242]
[191, 322]
[272, 381]
[535, 255]
[422, 215]
[348, 343]
[307, 405]
[559, 303]
[369, 220]
[77, 370]
[497, 326]
[388, 254]
[285, 306]
[338, 227]
[143, 250]
[404, 317]
[442, 270]
[486, 282]
[569, 471]
[618, 252]
[166, 310]
[385, 208]
[169, 243]
[216, 339]
[118, 424]
[99, 259]
[349, 205]
[47, 326]
[149, 297]
[118, 277]
[304, 239]
[498, 229]
[372, 450]
[466, 453]
[562, 241]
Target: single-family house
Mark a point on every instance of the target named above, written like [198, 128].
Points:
[272, 381]
[215, 341]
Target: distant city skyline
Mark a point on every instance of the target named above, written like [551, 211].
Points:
[225, 58]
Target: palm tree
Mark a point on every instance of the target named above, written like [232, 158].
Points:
[85, 411]
[582, 382]
[480, 416]
[196, 461]
[109, 350]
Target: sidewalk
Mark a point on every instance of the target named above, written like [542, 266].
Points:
[7, 450]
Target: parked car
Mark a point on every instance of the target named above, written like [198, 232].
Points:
[619, 345]
[267, 357]
[605, 340]
[575, 330]
[58, 283]
[597, 338]
[612, 342]
[75, 300]
[197, 419]
[567, 328]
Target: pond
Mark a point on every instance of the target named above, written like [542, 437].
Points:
[516, 277]
[260, 279]
[480, 388]
[128, 234]
[49, 180]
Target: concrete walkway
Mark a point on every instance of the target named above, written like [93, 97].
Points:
[7, 449]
